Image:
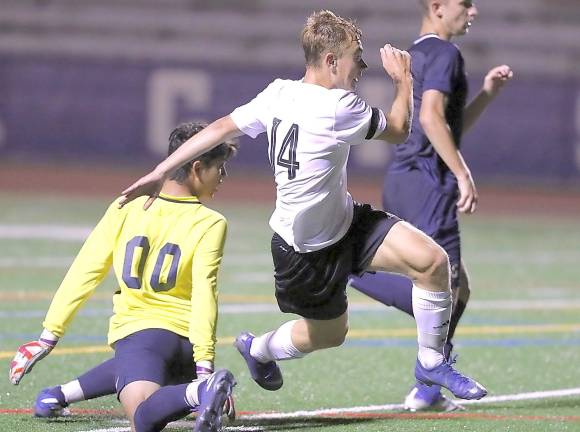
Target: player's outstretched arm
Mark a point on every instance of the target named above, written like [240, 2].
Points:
[397, 64]
[217, 132]
[29, 354]
[493, 82]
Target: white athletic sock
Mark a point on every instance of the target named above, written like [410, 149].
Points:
[191, 395]
[432, 312]
[275, 345]
[72, 391]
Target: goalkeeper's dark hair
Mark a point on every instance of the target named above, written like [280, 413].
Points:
[182, 133]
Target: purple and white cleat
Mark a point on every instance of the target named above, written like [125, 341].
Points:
[446, 376]
[425, 398]
[50, 402]
[267, 375]
[213, 396]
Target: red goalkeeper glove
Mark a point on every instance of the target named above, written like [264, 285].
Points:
[29, 354]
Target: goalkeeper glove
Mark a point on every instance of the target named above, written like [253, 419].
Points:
[29, 354]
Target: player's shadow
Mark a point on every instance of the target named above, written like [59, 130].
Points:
[306, 423]
[81, 419]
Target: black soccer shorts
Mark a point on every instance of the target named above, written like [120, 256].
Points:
[313, 284]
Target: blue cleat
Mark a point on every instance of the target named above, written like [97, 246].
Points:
[267, 375]
[217, 390]
[429, 398]
[446, 376]
[50, 402]
[425, 398]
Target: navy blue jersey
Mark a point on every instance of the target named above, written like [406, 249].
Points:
[435, 65]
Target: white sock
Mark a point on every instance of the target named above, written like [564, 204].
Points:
[275, 345]
[191, 395]
[432, 312]
[72, 391]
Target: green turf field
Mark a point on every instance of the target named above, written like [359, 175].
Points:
[520, 335]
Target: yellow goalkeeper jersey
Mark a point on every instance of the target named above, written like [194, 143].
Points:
[166, 262]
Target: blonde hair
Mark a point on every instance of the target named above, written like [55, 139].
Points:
[327, 32]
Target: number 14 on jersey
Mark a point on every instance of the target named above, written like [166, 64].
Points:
[285, 156]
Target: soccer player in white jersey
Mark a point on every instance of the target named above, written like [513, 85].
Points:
[320, 234]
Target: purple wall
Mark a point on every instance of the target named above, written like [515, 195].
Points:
[85, 109]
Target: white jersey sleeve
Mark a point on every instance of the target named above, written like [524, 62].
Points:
[253, 117]
[356, 121]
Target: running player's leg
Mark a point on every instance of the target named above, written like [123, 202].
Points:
[461, 294]
[312, 285]
[299, 337]
[292, 340]
[310, 335]
[407, 250]
[413, 197]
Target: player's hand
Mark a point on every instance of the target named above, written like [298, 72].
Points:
[26, 357]
[468, 197]
[496, 79]
[397, 63]
[148, 185]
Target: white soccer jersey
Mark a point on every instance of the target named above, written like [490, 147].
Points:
[310, 130]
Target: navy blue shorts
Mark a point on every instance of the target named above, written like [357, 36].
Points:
[313, 284]
[422, 199]
[155, 355]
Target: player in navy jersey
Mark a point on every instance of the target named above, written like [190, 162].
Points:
[321, 235]
[428, 181]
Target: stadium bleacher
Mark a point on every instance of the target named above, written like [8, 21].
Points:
[539, 37]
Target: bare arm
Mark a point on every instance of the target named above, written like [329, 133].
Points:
[397, 64]
[217, 132]
[492, 84]
[434, 123]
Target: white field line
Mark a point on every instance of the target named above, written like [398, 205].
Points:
[78, 233]
[252, 308]
[183, 424]
[45, 232]
[64, 261]
[36, 262]
[365, 409]
[265, 260]
[263, 308]
[547, 304]
[397, 407]
[113, 429]
[524, 396]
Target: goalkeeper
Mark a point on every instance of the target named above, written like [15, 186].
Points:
[163, 328]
